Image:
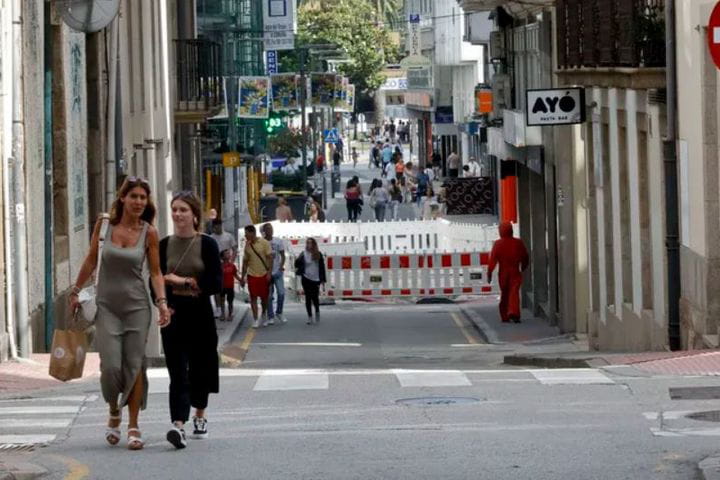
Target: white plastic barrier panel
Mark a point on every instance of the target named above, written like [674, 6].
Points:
[407, 275]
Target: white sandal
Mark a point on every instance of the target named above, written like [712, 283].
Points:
[113, 435]
[134, 442]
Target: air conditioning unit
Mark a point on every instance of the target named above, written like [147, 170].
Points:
[501, 94]
[497, 46]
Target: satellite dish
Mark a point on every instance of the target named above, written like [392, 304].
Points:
[88, 15]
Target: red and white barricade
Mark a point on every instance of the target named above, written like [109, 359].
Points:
[408, 275]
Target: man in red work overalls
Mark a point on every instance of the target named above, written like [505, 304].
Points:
[512, 257]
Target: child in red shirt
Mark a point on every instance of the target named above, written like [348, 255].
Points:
[230, 274]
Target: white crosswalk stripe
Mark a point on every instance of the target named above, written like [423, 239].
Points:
[38, 421]
[322, 379]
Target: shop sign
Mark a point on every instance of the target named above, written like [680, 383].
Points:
[555, 107]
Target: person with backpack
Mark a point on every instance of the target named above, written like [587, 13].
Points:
[423, 182]
[256, 272]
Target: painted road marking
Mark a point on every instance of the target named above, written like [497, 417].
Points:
[580, 376]
[66, 398]
[470, 339]
[281, 381]
[39, 410]
[42, 423]
[26, 439]
[76, 470]
[308, 344]
[437, 378]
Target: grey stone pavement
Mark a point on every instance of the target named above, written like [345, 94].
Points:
[387, 390]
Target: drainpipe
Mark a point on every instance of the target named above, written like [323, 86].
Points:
[18, 179]
[672, 235]
[112, 138]
[48, 158]
[7, 106]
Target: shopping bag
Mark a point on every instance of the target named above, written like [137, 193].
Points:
[67, 356]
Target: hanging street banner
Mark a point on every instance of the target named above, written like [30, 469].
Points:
[341, 84]
[322, 86]
[280, 24]
[254, 97]
[271, 62]
[285, 92]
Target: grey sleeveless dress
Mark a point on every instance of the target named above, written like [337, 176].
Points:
[123, 319]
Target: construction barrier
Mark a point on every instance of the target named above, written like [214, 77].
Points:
[435, 258]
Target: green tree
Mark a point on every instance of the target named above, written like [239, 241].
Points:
[351, 25]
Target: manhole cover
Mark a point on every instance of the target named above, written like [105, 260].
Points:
[436, 401]
[709, 416]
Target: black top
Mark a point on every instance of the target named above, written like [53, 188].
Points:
[300, 267]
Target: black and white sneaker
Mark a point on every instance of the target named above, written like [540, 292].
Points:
[176, 436]
[200, 430]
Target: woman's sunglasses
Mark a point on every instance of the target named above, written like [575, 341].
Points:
[138, 180]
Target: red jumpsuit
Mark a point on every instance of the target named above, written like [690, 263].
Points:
[512, 257]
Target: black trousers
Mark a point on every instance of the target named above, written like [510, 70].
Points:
[190, 347]
[312, 295]
[353, 209]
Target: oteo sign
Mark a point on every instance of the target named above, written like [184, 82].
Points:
[555, 107]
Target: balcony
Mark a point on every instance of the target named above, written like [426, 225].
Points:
[199, 83]
[604, 42]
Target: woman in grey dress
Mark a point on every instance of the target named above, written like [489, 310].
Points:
[124, 315]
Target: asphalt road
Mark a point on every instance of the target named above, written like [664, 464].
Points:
[366, 394]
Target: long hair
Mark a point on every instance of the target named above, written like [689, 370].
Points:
[193, 201]
[116, 211]
[314, 250]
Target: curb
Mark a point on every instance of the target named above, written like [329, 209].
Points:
[710, 468]
[520, 360]
[233, 354]
[485, 331]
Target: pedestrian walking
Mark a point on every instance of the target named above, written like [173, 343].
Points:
[310, 267]
[190, 262]
[256, 270]
[354, 155]
[396, 198]
[353, 197]
[277, 276]
[472, 169]
[123, 306]
[211, 216]
[510, 254]
[315, 212]
[226, 243]
[453, 165]
[230, 275]
[283, 212]
[379, 199]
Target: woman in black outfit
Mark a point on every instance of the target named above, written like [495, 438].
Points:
[190, 262]
[310, 266]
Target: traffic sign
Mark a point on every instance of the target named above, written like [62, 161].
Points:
[713, 32]
[331, 136]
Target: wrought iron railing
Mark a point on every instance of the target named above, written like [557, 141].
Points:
[199, 81]
[610, 33]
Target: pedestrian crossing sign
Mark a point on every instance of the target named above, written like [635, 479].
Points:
[331, 136]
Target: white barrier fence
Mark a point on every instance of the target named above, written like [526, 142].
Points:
[407, 275]
[414, 236]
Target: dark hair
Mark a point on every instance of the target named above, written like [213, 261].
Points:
[116, 210]
[314, 250]
[466, 167]
[250, 229]
[193, 202]
[217, 221]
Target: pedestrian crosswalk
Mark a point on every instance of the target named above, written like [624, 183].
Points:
[38, 421]
[323, 379]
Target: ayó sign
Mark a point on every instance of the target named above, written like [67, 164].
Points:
[555, 107]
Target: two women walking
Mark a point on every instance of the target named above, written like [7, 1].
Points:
[184, 272]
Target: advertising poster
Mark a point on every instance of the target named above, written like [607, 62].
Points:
[341, 84]
[285, 92]
[322, 86]
[254, 97]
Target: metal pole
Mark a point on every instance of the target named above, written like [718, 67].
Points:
[18, 179]
[48, 164]
[303, 107]
[672, 235]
